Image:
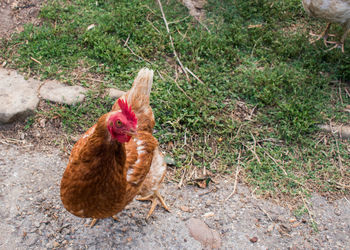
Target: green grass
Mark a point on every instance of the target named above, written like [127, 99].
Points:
[289, 84]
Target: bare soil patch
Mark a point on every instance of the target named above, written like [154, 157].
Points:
[32, 216]
[15, 13]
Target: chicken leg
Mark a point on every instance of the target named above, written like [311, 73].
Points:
[340, 44]
[154, 199]
[93, 222]
[324, 35]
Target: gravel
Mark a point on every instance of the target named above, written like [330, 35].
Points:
[32, 216]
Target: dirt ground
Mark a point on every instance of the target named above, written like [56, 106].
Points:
[32, 216]
[15, 13]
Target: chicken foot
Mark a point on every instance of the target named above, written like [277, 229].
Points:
[340, 44]
[324, 35]
[154, 199]
[93, 222]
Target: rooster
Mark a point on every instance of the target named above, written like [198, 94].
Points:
[333, 11]
[116, 159]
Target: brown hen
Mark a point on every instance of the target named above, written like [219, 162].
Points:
[110, 163]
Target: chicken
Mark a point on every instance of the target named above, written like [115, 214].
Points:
[333, 11]
[110, 163]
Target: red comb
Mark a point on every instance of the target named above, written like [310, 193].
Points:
[126, 110]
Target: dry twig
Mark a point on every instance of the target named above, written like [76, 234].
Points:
[94, 80]
[182, 179]
[347, 92]
[239, 129]
[35, 60]
[178, 86]
[127, 40]
[308, 210]
[253, 149]
[189, 71]
[154, 27]
[171, 40]
[347, 200]
[264, 211]
[274, 160]
[341, 98]
[132, 52]
[205, 26]
[236, 177]
[180, 20]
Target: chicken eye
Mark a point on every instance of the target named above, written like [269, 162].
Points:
[118, 123]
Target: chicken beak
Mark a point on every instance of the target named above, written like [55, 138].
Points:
[131, 132]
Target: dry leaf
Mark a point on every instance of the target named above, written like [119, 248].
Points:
[91, 26]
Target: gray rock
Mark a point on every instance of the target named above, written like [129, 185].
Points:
[60, 93]
[115, 93]
[18, 97]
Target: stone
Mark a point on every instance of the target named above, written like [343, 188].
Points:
[18, 97]
[115, 93]
[60, 93]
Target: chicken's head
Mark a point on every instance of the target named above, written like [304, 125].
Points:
[122, 124]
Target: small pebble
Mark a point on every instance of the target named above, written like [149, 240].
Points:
[254, 239]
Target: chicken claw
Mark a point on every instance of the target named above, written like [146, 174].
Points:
[324, 35]
[154, 199]
[93, 222]
[339, 45]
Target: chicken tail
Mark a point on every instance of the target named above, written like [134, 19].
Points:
[141, 88]
[138, 96]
